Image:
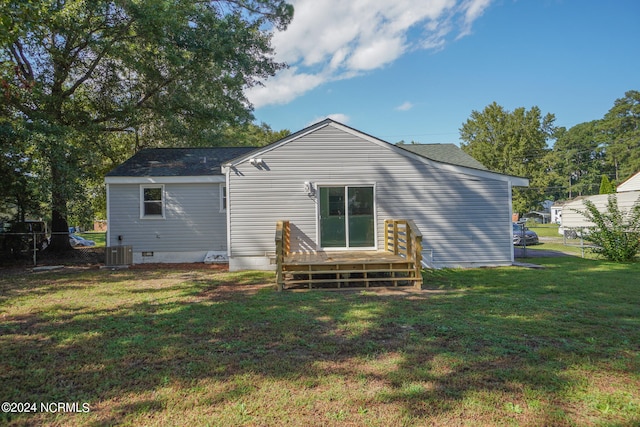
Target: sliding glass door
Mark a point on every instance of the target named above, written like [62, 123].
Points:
[347, 217]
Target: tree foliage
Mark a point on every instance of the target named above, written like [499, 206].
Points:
[616, 234]
[518, 143]
[620, 130]
[608, 146]
[168, 72]
[511, 142]
[578, 160]
[606, 187]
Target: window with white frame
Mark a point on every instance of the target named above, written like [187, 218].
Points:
[223, 197]
[152, 201]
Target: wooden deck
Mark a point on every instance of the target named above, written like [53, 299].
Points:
[347, 269]
[399, 265]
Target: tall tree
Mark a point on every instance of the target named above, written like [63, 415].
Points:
[620, 129]
[20, 191]
[606, 187]
[579, 160]
[253, 135]
[173, 70]
[511, 142]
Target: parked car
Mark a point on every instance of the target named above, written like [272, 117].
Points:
[522, 234]
[76, 240]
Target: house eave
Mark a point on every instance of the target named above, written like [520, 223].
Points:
[514, 180]
[202, 179]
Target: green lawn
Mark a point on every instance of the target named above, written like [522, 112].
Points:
[97, 236]
[556, 347]
[544, 230]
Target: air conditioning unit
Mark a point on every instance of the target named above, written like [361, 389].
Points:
[119, 255]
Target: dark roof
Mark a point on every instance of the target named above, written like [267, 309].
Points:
[178, 161]
[446, 153]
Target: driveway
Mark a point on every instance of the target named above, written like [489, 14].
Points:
[538, 253]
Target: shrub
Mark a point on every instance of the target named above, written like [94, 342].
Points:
[616, 234]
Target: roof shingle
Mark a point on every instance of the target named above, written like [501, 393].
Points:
[178, 161]
[445, 153]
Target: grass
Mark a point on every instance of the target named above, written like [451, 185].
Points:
[544, 230]
[558, 346]
[97, 236]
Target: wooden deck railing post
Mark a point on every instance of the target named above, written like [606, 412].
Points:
[387, 223]
[417, 252]
[282, 249]
[395, 237]
[279, 256]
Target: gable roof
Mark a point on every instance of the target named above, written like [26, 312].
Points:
[177, 162]
[479, 172]
[445, 153]
[631, 184]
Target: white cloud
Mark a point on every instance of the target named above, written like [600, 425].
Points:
[473, 9]
[338, 117]
[330, 40]
[405, 106]
[284, 87]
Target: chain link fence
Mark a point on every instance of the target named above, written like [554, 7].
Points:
[33, 249]
[575, 236]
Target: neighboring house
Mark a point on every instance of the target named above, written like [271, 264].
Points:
[169, 204]
[541, 217]
[631, 184]
[556, 212]
[627, 195]
[334, 184]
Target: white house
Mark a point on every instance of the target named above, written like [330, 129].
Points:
[334, 184]
[627, 195]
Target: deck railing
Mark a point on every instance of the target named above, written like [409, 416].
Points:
[283, 248]
[402, 237]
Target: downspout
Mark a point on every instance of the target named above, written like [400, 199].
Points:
[226, 170]
[108, 236]
[510, 185]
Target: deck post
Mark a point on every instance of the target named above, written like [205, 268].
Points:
[416, 236]
[282, 249]
[395, 237]
[387, 222]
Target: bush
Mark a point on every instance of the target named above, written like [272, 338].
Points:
[616, 234]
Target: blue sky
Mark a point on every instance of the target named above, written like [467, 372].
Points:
[415, 70]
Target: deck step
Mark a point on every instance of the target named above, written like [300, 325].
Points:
[344, 272]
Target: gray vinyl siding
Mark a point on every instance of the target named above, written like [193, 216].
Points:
[464, 219]
[193, 221]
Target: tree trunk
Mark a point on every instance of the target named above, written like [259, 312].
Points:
[59, 225]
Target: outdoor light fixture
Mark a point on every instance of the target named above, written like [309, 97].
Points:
[308, 188]
[256, 162]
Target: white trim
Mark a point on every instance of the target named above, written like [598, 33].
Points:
[227, 181]
[346, 201]
[108, 235]
[162, 201]
[513, 255]
[164, 179]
